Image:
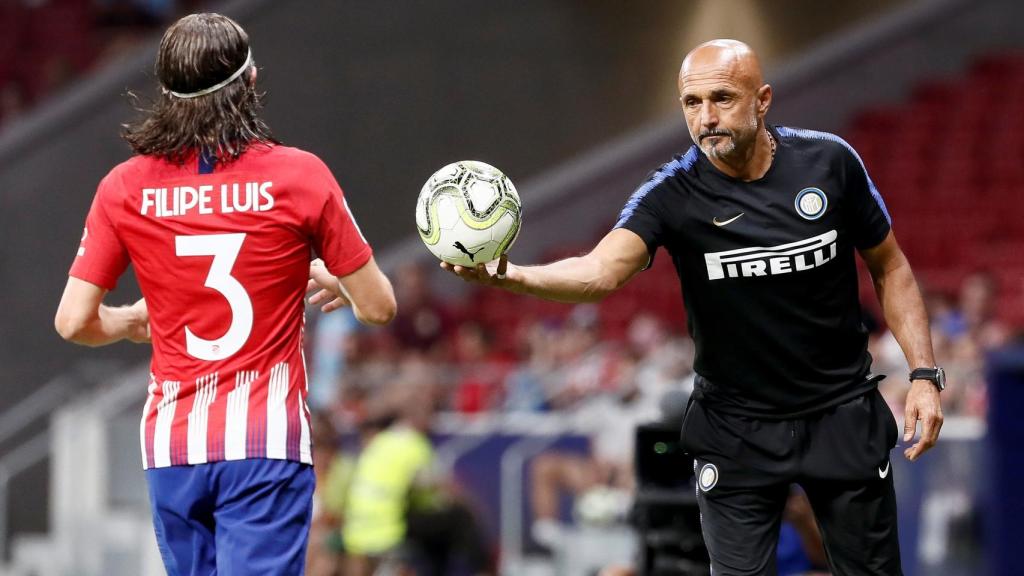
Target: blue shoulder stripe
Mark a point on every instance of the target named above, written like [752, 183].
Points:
[787, 132]
[684, 163]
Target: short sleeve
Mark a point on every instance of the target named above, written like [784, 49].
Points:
[641, 215]
[868, 217]
[102, 257]
[337, 238]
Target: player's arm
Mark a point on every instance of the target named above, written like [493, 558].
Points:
[82, 317]
[367, 290]
[907, 318]
[588, 278]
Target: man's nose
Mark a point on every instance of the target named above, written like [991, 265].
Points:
[708, 115]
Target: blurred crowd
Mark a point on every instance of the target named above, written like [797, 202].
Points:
[47, 44]
[560, 361]
[964, 329]
[447, 355]
[440, 356]
[564, 361]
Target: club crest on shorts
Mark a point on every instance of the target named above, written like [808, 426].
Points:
[811, 203]
[708, 477]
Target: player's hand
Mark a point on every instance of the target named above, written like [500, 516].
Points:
[329, 295]
[495, 273]
[140, 322]
[922, 405]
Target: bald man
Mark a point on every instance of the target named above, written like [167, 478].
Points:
[763, 224]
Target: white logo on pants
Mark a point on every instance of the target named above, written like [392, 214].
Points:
[708, 477]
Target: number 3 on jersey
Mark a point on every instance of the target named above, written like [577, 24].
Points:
[224, 248]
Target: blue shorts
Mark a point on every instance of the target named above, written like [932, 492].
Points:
[232, 518]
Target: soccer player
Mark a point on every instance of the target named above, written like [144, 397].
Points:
[219, 221]
[762, 224]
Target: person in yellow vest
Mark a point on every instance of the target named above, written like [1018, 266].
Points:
[401, 511]
[393, 470]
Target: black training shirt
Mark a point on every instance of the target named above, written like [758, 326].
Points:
[768, 273]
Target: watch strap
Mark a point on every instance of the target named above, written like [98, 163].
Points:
[924, 374]
[934, 375]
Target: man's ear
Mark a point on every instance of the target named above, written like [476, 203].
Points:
[764, 99]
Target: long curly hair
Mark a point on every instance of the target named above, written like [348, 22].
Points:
[197, 52]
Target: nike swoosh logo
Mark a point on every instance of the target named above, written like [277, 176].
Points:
[883, 473]
[724, 222]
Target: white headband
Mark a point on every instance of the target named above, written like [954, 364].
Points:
[215, 87]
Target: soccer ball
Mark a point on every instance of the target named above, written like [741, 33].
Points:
[468, 213]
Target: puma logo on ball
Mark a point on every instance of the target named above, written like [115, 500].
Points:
[458, 246]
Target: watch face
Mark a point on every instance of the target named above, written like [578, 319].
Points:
[940, 378]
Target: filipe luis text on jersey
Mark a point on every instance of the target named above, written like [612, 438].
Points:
[233, 197]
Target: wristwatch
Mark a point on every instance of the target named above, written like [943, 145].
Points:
[936, 375]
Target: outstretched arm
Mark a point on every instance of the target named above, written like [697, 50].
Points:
[82, 317]
[906, 316]
[588, 278]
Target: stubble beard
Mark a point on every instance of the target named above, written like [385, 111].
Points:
[725, 151]
[720, 151]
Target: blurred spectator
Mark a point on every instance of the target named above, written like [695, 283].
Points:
[425, 321]
[604, 475]
[481, 370]
[332, 343]
[975, 319]
[665, 360]
[526, 387]
[394, 463]
[800, 551]
[373, 362]
[445, 537]
[587, 365]
[623, 398]
[961, 336]
[400, 513]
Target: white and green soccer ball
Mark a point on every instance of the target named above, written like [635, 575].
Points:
[468, 213]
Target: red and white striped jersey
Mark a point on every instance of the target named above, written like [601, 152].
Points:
[222, 255]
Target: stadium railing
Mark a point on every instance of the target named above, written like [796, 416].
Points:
[98, 514]
[25, 436]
